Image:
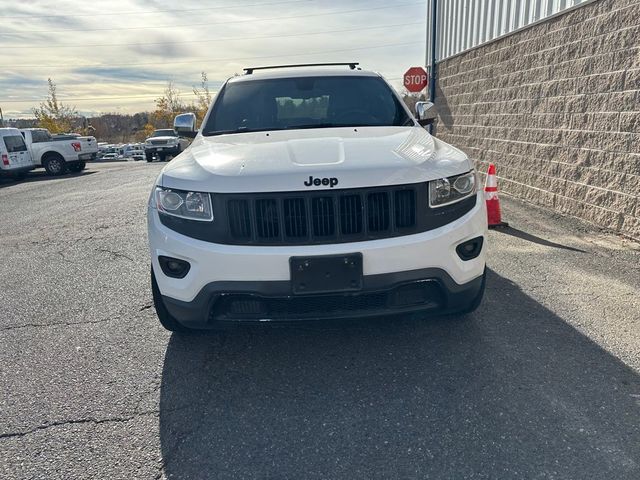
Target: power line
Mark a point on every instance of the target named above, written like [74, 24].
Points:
[253, 20]
[123, 97]
[73, 99]
[152, 12]
[225, 38]
[203, 60]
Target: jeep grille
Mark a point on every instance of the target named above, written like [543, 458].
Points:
[320, 216]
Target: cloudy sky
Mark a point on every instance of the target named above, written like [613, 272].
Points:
[118, 57]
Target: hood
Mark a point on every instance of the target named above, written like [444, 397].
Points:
[316, 159]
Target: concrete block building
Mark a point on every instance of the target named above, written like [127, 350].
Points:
[549, 91]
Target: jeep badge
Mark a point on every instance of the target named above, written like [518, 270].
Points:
[330, 182]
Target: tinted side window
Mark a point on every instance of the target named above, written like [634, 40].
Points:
[15, 143]
[39, 136]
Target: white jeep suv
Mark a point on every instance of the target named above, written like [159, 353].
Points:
[313, 193]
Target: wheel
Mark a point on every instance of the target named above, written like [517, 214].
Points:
[162, 157]
[149, 157]
[475, 303]
[166, 319]
[54, 164]
[77, 167]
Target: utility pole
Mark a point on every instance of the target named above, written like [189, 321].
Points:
[434, 40]
[1, 119]
[432, 53]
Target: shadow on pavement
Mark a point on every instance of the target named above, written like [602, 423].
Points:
[39, 176]
[514, 232]
[511, 392]
[117, 160]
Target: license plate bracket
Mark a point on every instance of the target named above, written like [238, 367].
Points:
[326, 273]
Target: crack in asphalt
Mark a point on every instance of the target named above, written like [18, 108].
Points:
[65, 259]
[57, 324]
[94, 421]
[160, 473]
[157, 385]
[70, 324]
[115, 254]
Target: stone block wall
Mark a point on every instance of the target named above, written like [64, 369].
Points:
[556, 106]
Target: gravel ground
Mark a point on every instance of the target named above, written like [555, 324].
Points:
[541, 382]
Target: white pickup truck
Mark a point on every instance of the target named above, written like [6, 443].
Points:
[61, 153]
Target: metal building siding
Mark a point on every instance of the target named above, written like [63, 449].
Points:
[464, 24]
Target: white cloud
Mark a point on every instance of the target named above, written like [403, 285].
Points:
[112, 57]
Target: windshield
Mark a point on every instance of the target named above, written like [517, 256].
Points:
[164, 133]
[305, 102]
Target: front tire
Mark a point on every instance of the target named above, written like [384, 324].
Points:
[54, 164]
[149, 157]
[167, 320]
[475, 303]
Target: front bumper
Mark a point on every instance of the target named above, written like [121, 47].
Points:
[169, 149]
[218, 270]
[427, 290]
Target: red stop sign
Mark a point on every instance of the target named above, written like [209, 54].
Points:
[416, 79]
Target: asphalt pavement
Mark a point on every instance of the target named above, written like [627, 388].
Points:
[541, 382]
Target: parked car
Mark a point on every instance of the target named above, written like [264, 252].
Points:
[132, 151]
[61, 153]
[314, 194]
[110, 156]
[15, 159]
[164, 143]
[108, 149]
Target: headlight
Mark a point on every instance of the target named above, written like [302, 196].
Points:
[189, 205]
[452, 189]
[172, 141]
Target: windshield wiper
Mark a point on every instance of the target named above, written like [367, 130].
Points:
[304, 126]
[225, 132]
[313, 125]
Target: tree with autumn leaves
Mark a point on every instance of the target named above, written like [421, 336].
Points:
[203, 98]
[169, 105]
[62, 118]
[54, 115]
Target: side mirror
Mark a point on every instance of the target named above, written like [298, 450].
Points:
[426, 113]
[185, 125]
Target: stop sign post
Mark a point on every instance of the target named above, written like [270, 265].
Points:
[416, 79]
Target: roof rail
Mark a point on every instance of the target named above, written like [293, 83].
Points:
[351, 65]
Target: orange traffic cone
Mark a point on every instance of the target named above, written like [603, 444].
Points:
[494, 215]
